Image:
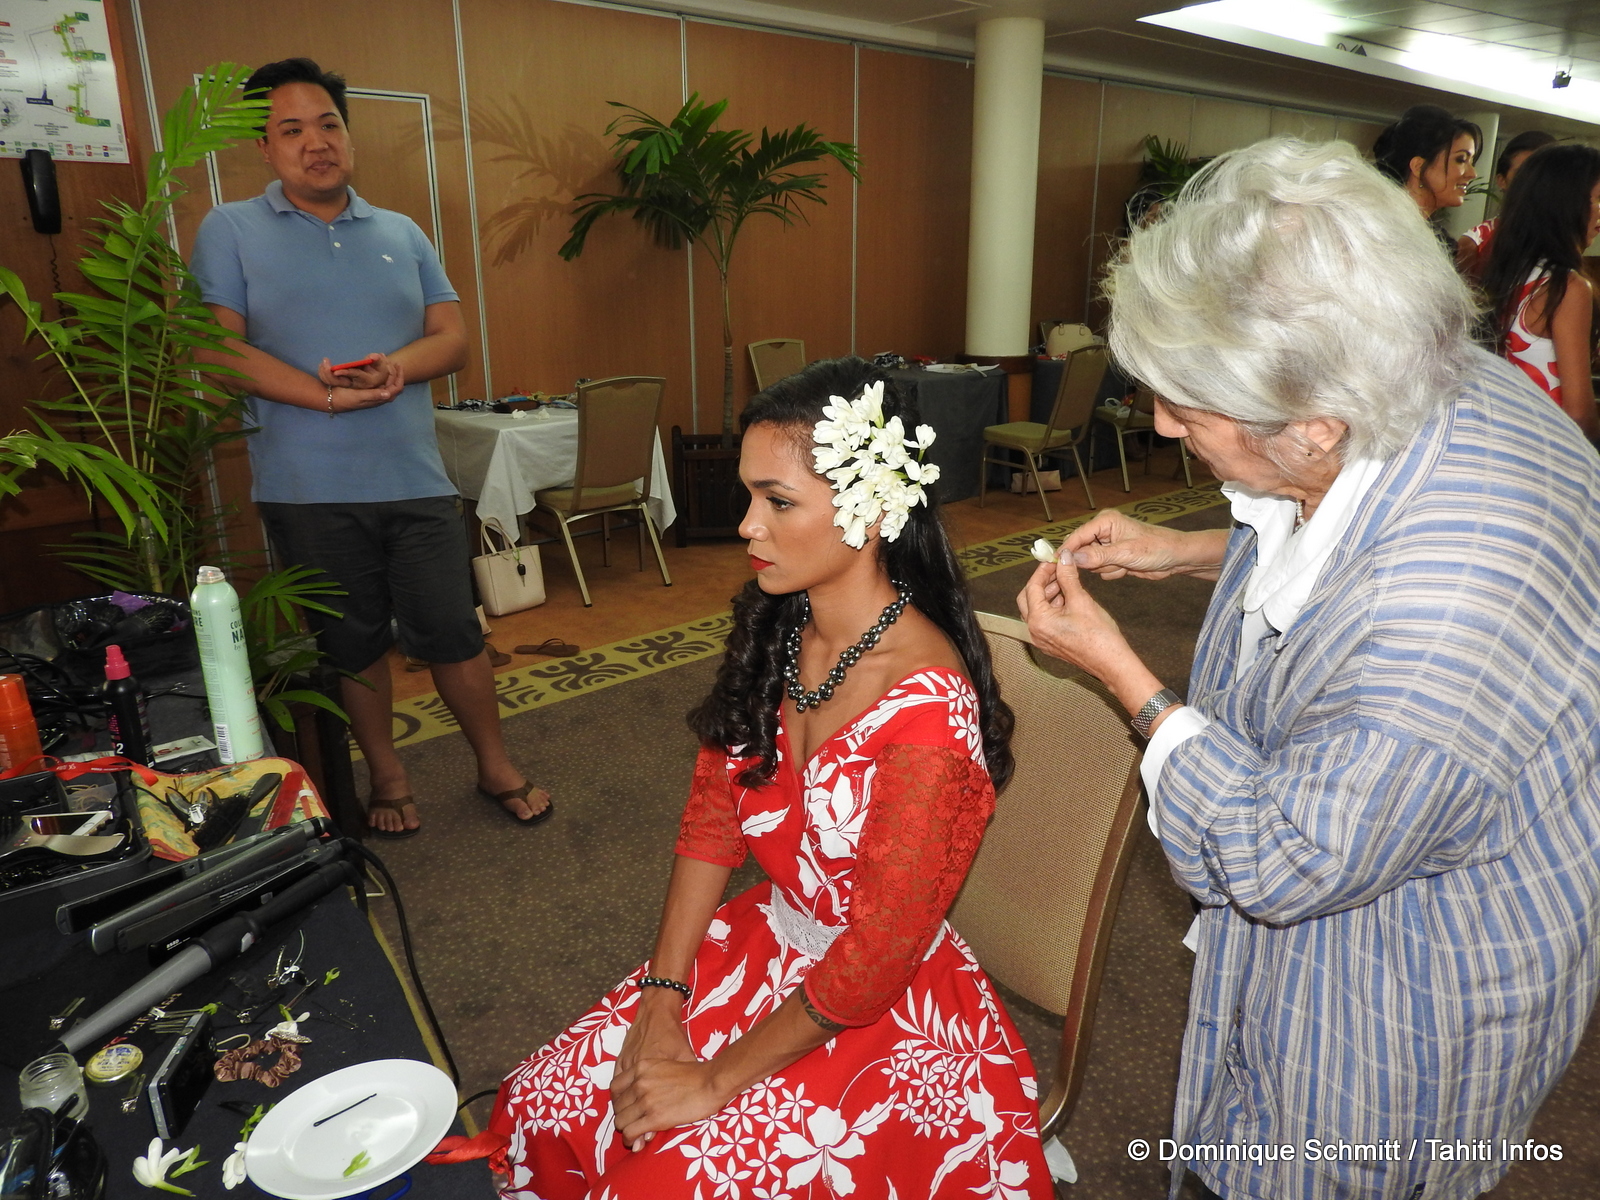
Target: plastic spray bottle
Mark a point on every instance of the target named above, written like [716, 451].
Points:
[225, 664]
[19, 735]
[129, 723]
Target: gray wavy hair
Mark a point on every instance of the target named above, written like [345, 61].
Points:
[1291, 280]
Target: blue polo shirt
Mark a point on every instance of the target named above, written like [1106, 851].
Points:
[309, 290]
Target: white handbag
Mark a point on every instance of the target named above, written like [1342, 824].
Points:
[509, 580]
[1065, 337]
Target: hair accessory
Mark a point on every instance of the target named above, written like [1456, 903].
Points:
[656, 981]
[241, 1063]
[852, 655]
[865, 457]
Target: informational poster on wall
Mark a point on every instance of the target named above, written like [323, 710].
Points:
[58, 82]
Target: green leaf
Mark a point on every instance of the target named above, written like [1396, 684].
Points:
[360, 1162]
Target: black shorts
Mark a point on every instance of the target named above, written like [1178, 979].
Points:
[402, 559]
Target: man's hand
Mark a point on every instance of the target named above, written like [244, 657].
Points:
[656, 1036]
[348, 399]
[1113, 544]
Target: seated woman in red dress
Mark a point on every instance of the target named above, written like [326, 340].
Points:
[826, 1033]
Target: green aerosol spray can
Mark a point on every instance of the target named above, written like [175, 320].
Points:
[226, 665]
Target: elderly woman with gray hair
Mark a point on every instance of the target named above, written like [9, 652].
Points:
[1383, 790]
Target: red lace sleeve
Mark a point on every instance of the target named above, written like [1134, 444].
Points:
[710, 827]
[929, 808]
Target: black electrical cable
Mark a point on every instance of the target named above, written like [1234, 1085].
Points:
[476, 1096]
[411, 957]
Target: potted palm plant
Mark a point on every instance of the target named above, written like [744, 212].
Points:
[690, 183]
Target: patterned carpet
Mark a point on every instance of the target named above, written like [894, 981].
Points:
[519, 931]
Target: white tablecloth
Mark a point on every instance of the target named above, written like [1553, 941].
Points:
[499, 461]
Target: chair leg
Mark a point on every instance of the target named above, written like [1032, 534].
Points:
[605, 539]
[1122, 457]
[983, 474]
[1038, 484]
[650, 525]
[1183, 456]
[1083, 476]
[639, 530]
[572, 553]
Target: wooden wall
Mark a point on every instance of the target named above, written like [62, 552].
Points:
[881, 267]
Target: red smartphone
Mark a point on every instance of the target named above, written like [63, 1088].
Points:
[360, 362]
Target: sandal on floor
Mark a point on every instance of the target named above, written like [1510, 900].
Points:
[554, 647]
[496, 659]
[521, 793]
[397, 805]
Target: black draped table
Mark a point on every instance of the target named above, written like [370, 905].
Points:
[363, 1014]
[959, 405]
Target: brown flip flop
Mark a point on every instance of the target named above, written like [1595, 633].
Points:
[554, 647]
[496, 659]
[521, 793]
[398, 805]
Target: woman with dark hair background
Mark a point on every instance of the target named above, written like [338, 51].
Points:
[1540, 300]
[827, 1030]
[1430, 154]
[1472, 247]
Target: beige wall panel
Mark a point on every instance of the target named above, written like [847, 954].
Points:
[1308, 127]
[1360, 134]
[1222, 125]
[1069, 136]
[786, 282]
[916, 141]
[1131, 113]
[540, 75]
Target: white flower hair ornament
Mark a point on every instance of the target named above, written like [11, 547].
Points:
[868, 461]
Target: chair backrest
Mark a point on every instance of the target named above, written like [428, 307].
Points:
[616, 431]
[1063, 337]
[1144, 401]
[775, 359]
[1038, 903]
[1080, 386]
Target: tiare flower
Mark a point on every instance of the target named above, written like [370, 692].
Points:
[153, 1168]
[870, 464]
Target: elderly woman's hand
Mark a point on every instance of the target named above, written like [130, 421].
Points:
[1067, 623]
[1113, 544]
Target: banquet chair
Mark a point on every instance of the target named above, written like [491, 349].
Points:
[616, 444]
[1140, 418]
[1070, 421]
[1038, 904]
[775, 359]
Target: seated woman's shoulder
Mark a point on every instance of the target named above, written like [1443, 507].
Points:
[922, 646]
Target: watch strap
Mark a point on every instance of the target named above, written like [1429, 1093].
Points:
[1153, 708]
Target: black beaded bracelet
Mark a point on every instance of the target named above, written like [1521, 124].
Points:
[654, 981]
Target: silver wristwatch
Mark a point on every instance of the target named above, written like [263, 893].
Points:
[1153, 708]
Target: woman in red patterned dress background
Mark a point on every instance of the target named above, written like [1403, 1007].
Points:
[825, 1033]
[1541, 300]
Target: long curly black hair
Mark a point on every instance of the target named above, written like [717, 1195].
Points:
[742, 709]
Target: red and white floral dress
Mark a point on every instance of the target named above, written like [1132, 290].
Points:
[1536, 355]
[929, 1092]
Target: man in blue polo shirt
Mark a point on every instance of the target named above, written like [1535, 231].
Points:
[346, 468]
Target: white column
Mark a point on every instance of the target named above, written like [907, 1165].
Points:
[1008, 79]
[1459, 220]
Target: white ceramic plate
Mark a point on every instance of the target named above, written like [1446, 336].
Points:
[289, 1155]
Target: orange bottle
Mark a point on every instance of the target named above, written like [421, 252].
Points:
[19, 735]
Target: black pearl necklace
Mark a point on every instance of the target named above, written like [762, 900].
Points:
[852, 655]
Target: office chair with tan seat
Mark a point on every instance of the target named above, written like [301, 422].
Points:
[1141, 418]
[1070, 421]
[775, 359]
[1038, 904]
[616, 447]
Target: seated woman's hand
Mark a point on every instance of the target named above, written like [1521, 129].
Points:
[1113, 544]
[656, 1035]
[661, 1093]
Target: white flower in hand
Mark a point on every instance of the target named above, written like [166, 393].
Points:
[233, 1167]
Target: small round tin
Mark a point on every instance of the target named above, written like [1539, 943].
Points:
[111, 1063]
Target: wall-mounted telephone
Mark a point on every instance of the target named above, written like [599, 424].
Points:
[44, 201]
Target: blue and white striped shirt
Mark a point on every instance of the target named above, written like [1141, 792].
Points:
[1394, 822]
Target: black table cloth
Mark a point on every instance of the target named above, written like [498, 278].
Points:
[960, 406]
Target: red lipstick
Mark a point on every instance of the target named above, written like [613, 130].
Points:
[759, 564]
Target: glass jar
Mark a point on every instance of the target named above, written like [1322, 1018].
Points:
[54, 1080]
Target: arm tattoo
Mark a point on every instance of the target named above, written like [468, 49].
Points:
[822, 1022]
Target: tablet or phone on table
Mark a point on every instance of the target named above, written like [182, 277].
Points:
[360, 362]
